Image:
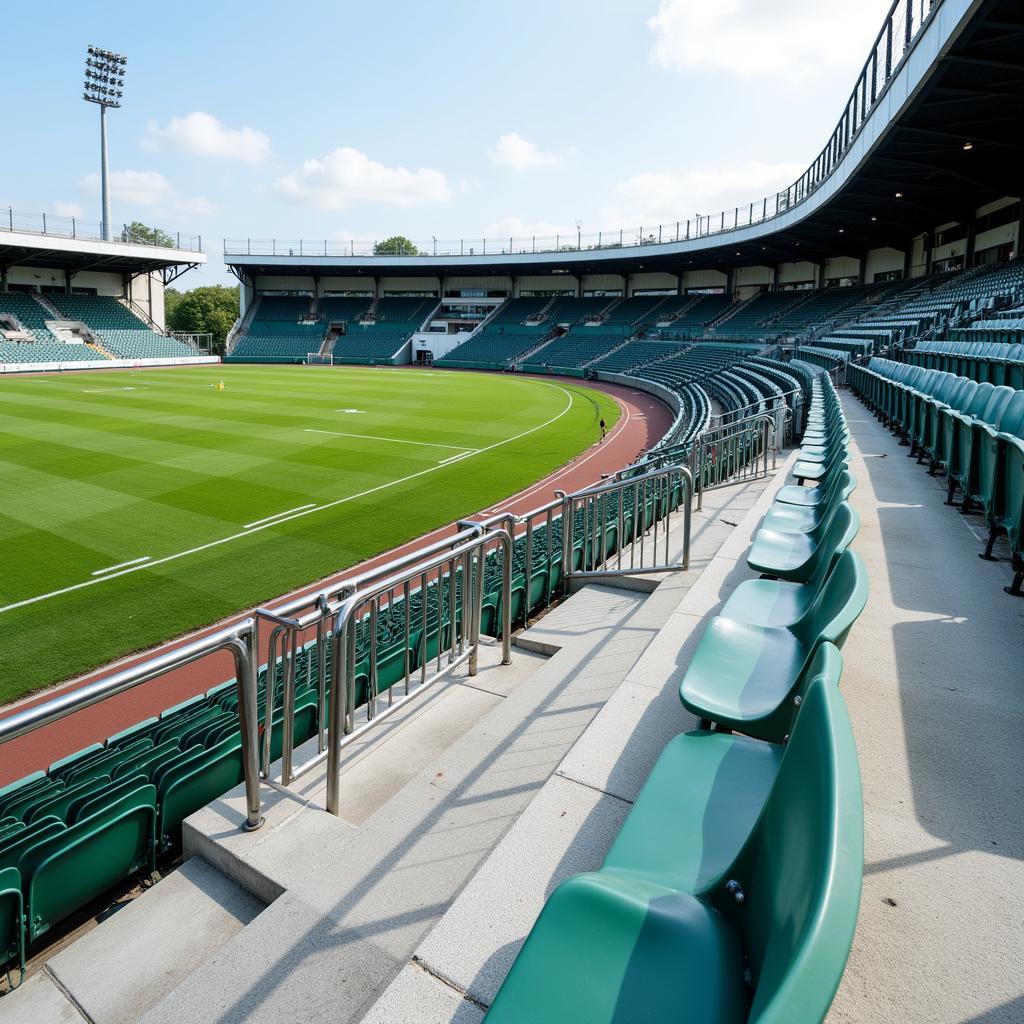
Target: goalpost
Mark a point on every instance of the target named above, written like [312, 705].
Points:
[318, 359]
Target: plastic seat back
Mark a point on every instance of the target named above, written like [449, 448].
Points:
[12, 945]
[801, 869]
[193, 784]
[68, 870]
[837, 605]
[1012, 419]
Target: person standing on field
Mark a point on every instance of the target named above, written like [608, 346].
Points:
[604, 429]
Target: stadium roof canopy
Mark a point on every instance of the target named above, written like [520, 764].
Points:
[46, 245]
[941, 137]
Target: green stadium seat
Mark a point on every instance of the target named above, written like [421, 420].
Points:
[62, 873]
[772, 602]
[192, 784]
[747, 677]
[12, 940]
[752, 922]
[795, 556]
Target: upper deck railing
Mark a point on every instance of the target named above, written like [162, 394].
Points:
[900, 31]
[92, 230]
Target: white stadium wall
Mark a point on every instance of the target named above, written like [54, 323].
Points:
[653, 282]
[497, 283]
[883, 261]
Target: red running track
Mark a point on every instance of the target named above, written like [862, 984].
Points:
[644, 420]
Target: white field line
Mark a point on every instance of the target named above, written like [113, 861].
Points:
[286, 519]
[392, 440]
[287, 511]
[455, 458]
[120, 565]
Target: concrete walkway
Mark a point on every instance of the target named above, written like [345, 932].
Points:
[934, 678]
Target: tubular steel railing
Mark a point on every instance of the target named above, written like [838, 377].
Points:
[734, 453]
[238, 640]
[75, 227]
[900, 31]
[293, 622]
[633, 508]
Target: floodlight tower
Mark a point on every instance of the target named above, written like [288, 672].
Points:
[104, 83]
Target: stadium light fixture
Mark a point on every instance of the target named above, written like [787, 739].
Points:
[899, 195]
[968, 146]
[104, 86]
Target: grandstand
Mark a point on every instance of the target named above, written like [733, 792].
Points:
[104, 322]
[719, 721]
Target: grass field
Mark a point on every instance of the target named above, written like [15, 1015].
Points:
[138, 506]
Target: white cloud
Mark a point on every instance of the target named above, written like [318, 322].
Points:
[347, 176]
[149, 189]
[204, 135]
[658, 198]
[195, 206]
[519, 154]
[137, 188]
[63, 209]
[746, 38]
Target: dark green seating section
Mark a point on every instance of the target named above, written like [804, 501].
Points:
[122, 333]
[732, 890]
[998, 362]
[826, 358]
[106, 813]
[282, 329]
[635, 354]
[380, 337]
[755, 318]
[972, 430]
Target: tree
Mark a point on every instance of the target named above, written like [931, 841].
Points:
[171, 299]
[396, 245]
[208, 310]
[145, 235]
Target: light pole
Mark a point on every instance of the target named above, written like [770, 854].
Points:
[104, 82]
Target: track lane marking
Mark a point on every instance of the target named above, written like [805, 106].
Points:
[296, 515]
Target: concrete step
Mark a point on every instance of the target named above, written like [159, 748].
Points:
[118, 970]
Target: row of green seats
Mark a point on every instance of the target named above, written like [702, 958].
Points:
[732, 890]
[975, 431]
[995, 362]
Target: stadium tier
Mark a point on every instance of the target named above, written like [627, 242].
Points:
[113, 331]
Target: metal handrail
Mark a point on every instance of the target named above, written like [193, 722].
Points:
[341, 729]
[594, 504]
[900, 32]
[725, 452]
[238, 640]
[74, 227]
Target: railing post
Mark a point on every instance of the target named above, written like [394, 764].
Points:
[246, 656]
[340, 632]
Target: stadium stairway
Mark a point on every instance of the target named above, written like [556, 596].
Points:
[426, 799]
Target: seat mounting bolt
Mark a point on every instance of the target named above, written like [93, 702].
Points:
[735, 890]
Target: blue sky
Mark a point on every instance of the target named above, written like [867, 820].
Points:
[344, 120]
